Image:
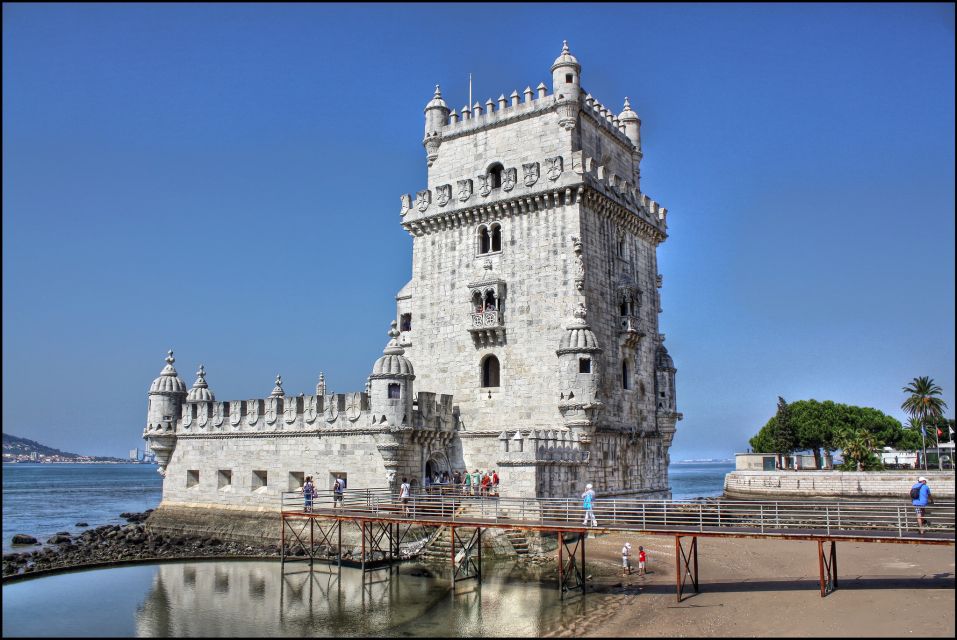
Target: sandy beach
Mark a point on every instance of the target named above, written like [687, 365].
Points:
[770, 587]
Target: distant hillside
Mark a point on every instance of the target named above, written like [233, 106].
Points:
[15, 447]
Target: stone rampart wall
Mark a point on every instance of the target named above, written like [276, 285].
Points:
[759, 485]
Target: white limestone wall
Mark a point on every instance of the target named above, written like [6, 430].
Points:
[608, 149]
[516, 135]
[759, 485]
[318, 456]
[604, 271]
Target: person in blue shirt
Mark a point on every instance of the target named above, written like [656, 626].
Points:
[921, 501]
[587, 498]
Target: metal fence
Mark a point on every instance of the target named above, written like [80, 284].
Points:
[449, 504]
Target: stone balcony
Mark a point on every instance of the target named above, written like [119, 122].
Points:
[488, 328]
[629, 330]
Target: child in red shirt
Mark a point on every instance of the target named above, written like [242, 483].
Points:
[641, 561]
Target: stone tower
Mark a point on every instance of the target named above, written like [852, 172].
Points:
[533, 214]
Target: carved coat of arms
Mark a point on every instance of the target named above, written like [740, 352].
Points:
[443, 194]
[553, 167]
[235, 413]
[485, 184]
[252, 412]
[354, 406]
[218, 416]
[531, 171]
[465, 190]
[332, 408]
[310, 409]
[272, 409]
[187, 415]
[423, 199]
[509, 178]
[406, 201]
[202, 416]
[290, 409]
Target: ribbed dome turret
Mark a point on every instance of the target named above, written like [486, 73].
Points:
[200, 391]
[566, 59]
[627, 115]
[277, 391]
[663, 361]
[392, 363]
[168, 381]
[437, 102]
[579, 337]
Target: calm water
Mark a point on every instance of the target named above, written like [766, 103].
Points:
[256, 598]
[41, 499]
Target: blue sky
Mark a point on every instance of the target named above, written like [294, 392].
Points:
[224, 179]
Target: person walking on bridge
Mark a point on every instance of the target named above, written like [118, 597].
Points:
[920, 494]
[587, 498]
[308, 493]
[404, 492]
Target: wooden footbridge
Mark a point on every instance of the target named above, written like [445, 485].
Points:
[384, 524]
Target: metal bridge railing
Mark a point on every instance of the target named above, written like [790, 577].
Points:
[449, 504]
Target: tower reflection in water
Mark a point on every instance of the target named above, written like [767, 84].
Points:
[259, 598]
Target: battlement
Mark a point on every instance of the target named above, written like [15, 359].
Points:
[331, 412]
[535, 447]
[530, 189]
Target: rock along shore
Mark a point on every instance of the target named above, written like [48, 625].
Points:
[113, 543]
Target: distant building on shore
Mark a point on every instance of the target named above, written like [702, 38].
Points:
[531, 318]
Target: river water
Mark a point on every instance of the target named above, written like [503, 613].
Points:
[260, 598]
[41, 499]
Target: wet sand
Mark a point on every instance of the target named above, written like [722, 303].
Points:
[769, 587]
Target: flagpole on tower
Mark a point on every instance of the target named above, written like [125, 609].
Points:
[470, 91]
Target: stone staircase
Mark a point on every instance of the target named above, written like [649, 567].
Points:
[439, 548]
[518, 540]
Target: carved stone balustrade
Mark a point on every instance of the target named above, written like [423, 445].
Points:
[629, 329]
[488, 328]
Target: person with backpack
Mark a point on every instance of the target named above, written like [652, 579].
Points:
[587, 498]
[308, 493]
[337, 490]
[494, 482]
[920, 497]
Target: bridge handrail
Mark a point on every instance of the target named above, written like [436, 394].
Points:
[829, 517]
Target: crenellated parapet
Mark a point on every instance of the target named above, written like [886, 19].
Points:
[544, 184]
[549, 447]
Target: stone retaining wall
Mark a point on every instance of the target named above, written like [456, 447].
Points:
[759, 485]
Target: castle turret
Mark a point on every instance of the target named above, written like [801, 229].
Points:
[566, 85]
[632, 124]
[200, 391]
[666, 407]
[436, 117]
[166, 397]
[391, 385]
[579, 374]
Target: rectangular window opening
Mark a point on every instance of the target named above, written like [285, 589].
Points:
[394, 391]
[296, 478]
[260, 479]
[192, 478]
[405, 322]
[584, 365]
[224, 479]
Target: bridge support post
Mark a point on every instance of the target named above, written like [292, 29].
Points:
[363, 526]
[312, 541]
[282, 539]
[827, 564]
[686, 565]
[571, 570]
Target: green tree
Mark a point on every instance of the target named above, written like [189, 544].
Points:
[924, 404]
[783, 436]
[817, 426]
[858, 446]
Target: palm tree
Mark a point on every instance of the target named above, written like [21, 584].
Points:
[924, 405]
[858, 446]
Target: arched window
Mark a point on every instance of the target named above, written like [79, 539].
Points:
[489, 301]
[477, 302]
[484, 240]
[393, 391]
[496, 237]
[490, 372]
[495, 175]
[625, 375]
